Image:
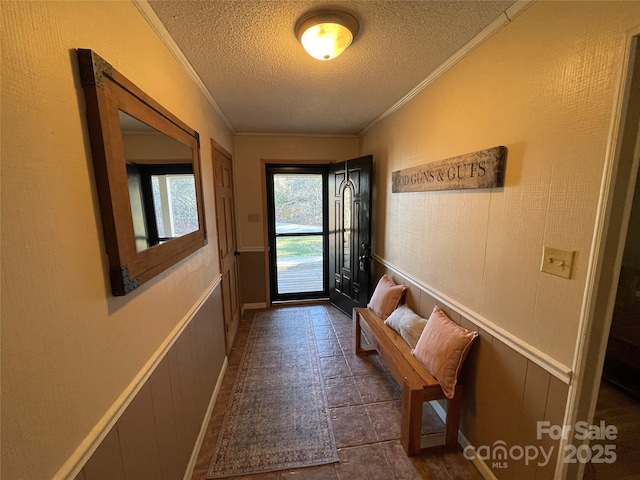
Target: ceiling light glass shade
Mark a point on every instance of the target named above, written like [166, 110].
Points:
[326, 41]
[326, 34]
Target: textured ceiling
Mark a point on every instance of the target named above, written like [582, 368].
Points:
[248, 57]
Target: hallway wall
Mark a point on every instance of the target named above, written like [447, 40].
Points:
[504, 393]
[250, 152]
[544, 86]
[155, 436]
[72, 354]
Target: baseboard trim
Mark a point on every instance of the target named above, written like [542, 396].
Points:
[480, 464]
[91, 442]
[251, 250]
[205, 423]
[252, 306]
[555, 368]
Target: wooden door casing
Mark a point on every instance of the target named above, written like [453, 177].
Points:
[227, 241]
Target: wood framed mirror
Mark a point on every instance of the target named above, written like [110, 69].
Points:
[147, 170]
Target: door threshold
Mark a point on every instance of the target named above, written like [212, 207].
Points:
[309, 301]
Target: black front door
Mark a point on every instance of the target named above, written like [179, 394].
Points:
[350, 233]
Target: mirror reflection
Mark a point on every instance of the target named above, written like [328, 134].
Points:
[148, 177]
[161, 182]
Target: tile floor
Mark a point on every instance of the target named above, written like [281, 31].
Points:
[364, 402]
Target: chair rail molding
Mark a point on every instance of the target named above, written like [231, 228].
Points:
[91, 442]
[555, 368]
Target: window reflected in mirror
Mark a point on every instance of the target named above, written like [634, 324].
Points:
[174, 202]
[147, 176]
[162, 187]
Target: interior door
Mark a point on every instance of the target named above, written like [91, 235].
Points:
[223, 172]
[350, 233]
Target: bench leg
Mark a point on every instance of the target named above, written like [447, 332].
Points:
[453, 418]
[356, 332]
[411, 423]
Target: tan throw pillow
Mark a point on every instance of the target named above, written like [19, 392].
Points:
[407, 323]
[442, 348]
[386, 297]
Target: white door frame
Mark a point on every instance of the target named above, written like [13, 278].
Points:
[614, 209]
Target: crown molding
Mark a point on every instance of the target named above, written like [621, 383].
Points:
[504, 19]
[154, 21]
[312, 135]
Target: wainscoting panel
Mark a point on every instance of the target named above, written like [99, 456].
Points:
[164, 413]
[138, 438]
[554, 414]
[106, 462]
[536, 390]
[252, 277]
[187, 385]
[505, 393]
[179, 406]
[155, 436]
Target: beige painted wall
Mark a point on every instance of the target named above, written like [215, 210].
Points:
[544, 86]
[69, 349]
[250, 150]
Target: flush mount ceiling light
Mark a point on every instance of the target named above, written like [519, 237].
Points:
[325, 34]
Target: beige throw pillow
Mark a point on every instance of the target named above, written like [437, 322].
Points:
[407, 323]
[442, 348]
[386, 297]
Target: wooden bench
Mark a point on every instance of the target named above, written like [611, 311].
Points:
[418, 385]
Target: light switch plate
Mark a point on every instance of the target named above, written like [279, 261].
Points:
[557, 262]
[254, 217]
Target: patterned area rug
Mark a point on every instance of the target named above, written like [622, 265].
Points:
[278, 416]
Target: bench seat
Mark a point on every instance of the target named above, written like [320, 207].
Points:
[418, 385]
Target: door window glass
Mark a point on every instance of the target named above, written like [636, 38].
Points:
[298, 212]
[346, 227]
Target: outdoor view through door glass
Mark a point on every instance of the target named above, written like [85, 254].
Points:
[299, 235]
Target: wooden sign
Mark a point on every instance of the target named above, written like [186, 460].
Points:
[483, 169]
